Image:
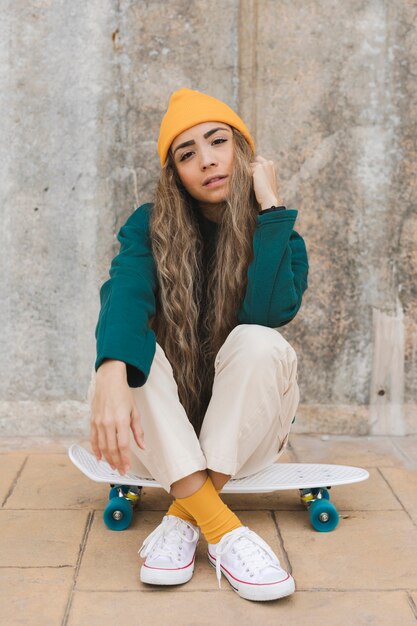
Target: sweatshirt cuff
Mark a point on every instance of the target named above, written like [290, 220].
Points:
[273, 208]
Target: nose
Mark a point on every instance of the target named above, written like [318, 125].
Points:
[207, 159]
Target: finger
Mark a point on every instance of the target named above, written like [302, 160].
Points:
[122, 433]
[113, 448]
[256, 167]
[137, 430]
[260, 159]
[102, 442]
[268, 165]
[139, 437]
[94, 441]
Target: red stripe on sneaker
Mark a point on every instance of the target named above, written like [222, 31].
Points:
[246, 582]
[171, 569]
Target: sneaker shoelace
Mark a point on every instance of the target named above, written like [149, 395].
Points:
[253, 552]
[163, 540]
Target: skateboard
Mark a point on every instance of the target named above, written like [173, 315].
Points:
[312, 480]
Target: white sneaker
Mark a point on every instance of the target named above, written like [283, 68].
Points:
[250, 566]
[170, 550]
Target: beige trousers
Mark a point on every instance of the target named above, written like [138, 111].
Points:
[247, 423]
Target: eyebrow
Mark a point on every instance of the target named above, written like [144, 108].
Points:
[206, 136]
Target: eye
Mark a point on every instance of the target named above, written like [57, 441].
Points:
[219, 140]
[185, 156]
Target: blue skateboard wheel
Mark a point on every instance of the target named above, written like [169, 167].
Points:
[323, 515]
[118, 514]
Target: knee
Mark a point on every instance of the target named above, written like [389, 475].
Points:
[258, 343]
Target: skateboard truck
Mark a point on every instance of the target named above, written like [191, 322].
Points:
[119, 510]
[323, 514]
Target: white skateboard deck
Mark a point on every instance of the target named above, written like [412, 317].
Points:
[276, 477]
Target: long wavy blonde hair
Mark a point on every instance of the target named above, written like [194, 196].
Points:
[178, 247]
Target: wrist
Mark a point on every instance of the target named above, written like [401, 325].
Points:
[271, 209]
[271, 201]
[112, 365]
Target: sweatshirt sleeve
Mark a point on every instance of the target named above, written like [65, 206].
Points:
[277, 275]
[273, 209]
[128, 302]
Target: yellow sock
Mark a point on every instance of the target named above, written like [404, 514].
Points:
[212, 515]
[178, 510]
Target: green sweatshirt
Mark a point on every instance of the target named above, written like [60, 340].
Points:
[277, 279]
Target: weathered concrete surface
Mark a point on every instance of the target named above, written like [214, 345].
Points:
[328, 90]
[83, 96]
[333, 98]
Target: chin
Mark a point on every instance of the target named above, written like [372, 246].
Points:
[218, 199]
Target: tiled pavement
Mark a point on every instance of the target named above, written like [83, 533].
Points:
[60, 565]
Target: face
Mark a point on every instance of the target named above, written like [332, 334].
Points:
[203, 156]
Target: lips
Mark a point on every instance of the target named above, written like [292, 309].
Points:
[213, 179]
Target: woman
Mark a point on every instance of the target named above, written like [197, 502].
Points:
[204, 277]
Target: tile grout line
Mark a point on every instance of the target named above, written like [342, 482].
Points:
[86, 590]
[402, 453]
[13, 485]
[83, 545]
[79, 508]
[35, 566]
[353, 590]
[395, 495]
[412, 604]
[281, 541]
[245, 508]
[299, 589]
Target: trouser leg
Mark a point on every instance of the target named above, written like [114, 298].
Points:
[254, 400]
[172, 447]
[247, 424]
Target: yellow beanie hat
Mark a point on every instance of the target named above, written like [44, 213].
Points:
[187, 108]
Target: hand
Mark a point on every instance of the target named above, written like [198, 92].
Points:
[113, 412]
[265, 182]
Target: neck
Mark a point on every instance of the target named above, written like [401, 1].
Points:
[212, 212]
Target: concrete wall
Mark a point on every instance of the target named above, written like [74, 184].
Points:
[328, 89]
